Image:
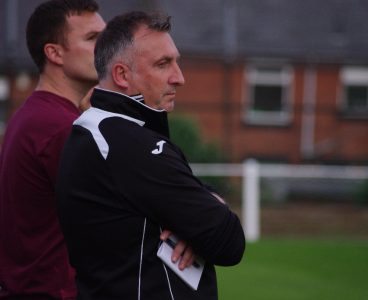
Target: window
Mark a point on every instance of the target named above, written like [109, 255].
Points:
[268, 95]
[355, 91]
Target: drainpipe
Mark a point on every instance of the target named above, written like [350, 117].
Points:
[307, 146]
[230, 40]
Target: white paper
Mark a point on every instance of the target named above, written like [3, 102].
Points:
[190, 275]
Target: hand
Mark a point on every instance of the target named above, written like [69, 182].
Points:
[182, 251]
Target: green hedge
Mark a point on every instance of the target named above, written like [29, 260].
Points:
[185, 132]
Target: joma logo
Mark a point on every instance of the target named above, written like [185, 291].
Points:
[160, 146]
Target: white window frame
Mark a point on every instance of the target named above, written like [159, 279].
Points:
[4, 96]
[258, 75]
[4, 88]
[353, 76]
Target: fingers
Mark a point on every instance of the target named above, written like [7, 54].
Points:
[181, 252]
[165, 234]
[185, 253]
[178, 251]
[187, 258]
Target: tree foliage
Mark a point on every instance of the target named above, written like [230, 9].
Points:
[185, 133]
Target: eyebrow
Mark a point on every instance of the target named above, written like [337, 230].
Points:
[168, 58]
[93, 32]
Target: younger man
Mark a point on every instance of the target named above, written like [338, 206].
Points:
[61, 36]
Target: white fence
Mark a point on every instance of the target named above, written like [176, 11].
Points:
[251, 171]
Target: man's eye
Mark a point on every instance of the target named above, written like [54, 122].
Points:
[91, 37]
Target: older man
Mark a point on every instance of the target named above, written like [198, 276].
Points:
[122, 181]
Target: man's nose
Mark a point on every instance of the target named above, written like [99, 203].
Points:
[177, 77]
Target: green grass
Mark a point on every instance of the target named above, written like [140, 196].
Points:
[286, 269]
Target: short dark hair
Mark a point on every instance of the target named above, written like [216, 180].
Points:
[119, 32]
[47, 24]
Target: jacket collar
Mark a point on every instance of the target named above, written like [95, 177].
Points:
[132, 106]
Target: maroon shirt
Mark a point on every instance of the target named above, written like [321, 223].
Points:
[33, 255]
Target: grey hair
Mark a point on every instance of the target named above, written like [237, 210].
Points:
[118, 36]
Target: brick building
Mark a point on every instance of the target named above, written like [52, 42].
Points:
[281, 81]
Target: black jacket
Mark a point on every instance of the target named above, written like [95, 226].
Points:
[121, 181]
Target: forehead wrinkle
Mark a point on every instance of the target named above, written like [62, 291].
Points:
[141, 49]
[142, 32]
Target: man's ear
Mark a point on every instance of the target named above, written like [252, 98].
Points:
[54, 53]
[120, 75]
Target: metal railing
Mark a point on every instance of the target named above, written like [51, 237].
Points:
[251, 171]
